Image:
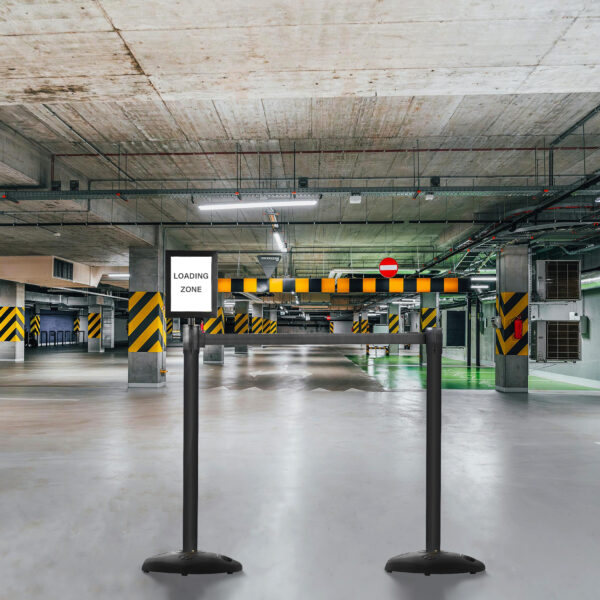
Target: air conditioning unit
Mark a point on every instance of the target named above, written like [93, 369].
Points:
[557, 280]
[555, 341]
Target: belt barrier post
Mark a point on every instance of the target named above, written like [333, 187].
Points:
[189, 560]
[433, 559]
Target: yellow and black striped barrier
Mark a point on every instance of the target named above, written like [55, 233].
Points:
[12, 324]
[511, 306]
[146, 326]
[394, 324]
[271, 326]
[169, 326]
[216, 325]
[34, 325]
[76, 325]
[347, 285]
[355, 326]
[428, 318]
[241, 323]
[330, 326]
[364, 325]
[266, 326]
[257, 324]
[94, 325]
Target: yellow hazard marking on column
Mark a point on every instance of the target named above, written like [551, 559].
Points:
[34, 325]
[394, 324]
[146, 325]
[241, 323]
[216, 325]
[257, 324]
[428, 318]
[330, 326]
[355, 327]
[510, 306]
[12, 324]
[364, 325]
[169, 326]
[76, 325]
[94, 325]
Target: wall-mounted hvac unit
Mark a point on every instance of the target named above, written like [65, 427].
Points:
[555, 341]
[557, 280]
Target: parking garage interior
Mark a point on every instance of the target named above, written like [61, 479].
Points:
[358, 169]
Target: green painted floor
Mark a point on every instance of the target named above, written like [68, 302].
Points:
[404, 371]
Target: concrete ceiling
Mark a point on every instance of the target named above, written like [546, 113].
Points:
[368, 93]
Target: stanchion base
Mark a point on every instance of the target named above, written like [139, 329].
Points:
[191, 563]
[438, 563]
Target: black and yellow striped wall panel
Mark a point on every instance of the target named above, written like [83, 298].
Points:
[34, 325]
[146, 326]
[76, 325]
[428, 318]
[94, 325]
[241, 323]
[367, 285]
[510, 306]
[394, 324]
[257, 324]
[12, 323]
[216, 325]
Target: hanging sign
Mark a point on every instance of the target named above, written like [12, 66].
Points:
[388, 267]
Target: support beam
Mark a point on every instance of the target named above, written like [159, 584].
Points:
[12, 321]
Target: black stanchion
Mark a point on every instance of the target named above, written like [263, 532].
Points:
[433, 559]
[190, 560]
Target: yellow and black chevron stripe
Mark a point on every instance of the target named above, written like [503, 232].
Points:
[257, 324]
[270, 327]
[241, 324]
[355, 326]
[266, 326]
[34, 325]
[428, 318]
[76, 325]
[346, 285]
[12, 324]
[169, 326]
[94, 325]
[364, 325]
[330, 326]
[394, 324]
[509, 306]
[146, 326]
[216, 325]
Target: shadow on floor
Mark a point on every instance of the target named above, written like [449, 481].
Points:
[193, 587]
[435, 587]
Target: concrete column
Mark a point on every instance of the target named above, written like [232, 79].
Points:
[256, 313]
[215, 355]
[273, 319]
[364, 322]
[94, 329]
[242, 322]
[83, 325]
[146, 325]
[511, 358]
[12, 321]
[393, 320]
[430, 314]
[356, 322]
[35, 323]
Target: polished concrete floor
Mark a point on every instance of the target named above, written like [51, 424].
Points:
[311, 490]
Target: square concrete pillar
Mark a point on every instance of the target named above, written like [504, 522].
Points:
[94, 328]
[393, 321]
[12, 321]
[512, 356]
[147, 338]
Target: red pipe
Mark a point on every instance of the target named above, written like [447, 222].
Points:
[346, 151]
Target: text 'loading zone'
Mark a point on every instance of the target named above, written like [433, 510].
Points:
[191, 283]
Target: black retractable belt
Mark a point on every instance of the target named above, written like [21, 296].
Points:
[190, 560]
[433, 559]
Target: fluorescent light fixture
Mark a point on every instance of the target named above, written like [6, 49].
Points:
[429, 196]
[279, 241]
[590, 280]
[262, 204]
[117, 275]
[480, 287]
[355, 199]
[479, 278]
[598, 199]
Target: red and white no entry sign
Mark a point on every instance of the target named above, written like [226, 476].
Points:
[388, 267]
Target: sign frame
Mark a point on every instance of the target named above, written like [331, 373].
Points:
[214, 281]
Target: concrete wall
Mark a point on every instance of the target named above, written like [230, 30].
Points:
[589, 366]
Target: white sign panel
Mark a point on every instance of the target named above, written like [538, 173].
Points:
[191, 283]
